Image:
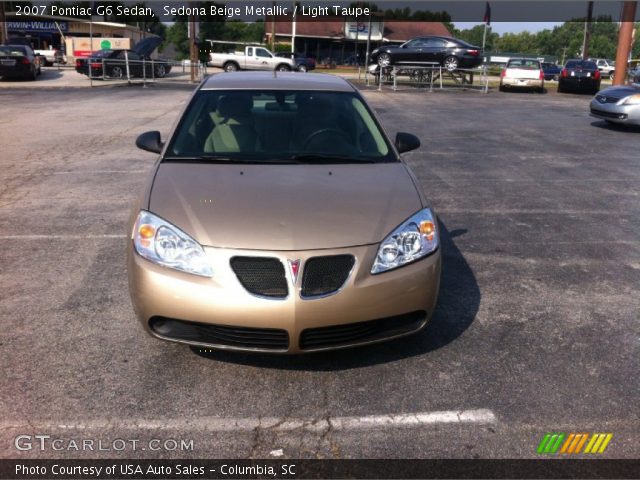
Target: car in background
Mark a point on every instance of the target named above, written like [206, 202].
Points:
[115, 62]
[51, 56]
[302, 62]
[551, 71]
[522, 73]
[635, 75]
[620, 104]
[277, 211]
[451, 53]
[19, 61]
[607, 67]
[579, 75]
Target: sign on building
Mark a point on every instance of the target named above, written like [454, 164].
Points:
[360, 30]
[37, 26]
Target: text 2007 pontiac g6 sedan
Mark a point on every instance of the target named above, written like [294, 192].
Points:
[280, 218]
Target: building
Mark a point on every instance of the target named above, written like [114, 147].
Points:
[46, 31]
[343, 40]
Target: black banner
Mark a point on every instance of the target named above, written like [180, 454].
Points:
[260, 469]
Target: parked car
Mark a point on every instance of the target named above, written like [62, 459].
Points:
[579, 75]
[635, 75]
[607, 67]
[51, 56]
[115, 62]
[251, 58]
[619, 104]
[19, 61]
[302, 62]
[449, 52]
[522, 73]
[551, 71]
[277, 211]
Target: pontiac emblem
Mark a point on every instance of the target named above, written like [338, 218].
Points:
[294, 266]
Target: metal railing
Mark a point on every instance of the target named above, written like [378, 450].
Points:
[430, 75]
[136, 71]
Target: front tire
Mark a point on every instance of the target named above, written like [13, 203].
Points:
[384, 60]
[450, 63]
[302, 68]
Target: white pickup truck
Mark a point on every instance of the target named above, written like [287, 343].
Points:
[51, 56]
[252, 58]
[606, 67]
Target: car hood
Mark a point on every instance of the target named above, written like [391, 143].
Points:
[620, 92]
[284, 207]
[146, 46]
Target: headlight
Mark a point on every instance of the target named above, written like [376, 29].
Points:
[632, 100]
[164, 244]
[414, 239]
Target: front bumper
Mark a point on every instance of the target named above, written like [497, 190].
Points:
[222, 301]
[628, 114]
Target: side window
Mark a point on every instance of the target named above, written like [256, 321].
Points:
[435, 43]
[261, 52]
[250, 51]
[133, 56]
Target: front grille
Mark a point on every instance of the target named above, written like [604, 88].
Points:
[262, 276]
[221, 335]
[362, 332]
[325, 275]
[601, 113]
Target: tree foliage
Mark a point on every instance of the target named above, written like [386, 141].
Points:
[563, 41]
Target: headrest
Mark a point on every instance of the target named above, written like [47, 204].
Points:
[231, 106]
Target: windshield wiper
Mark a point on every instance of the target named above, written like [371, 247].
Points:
[321, 158]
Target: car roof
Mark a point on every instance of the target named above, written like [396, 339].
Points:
[276, 81]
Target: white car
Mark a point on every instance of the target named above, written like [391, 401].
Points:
[522, 73]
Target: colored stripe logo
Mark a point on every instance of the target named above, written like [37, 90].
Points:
[574, 443]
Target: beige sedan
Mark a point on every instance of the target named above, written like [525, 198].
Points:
[280, 218]
[522, 73]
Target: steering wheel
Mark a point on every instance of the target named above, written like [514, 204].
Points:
[325, 131]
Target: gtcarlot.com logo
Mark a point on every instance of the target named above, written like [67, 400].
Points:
[574, 443]
[46, 442]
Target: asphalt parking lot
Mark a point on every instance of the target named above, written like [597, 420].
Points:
[536, 328]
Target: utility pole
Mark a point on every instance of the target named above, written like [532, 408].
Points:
[3, 25]
[193, 51]
[625, 38]
[587, 32]
[273, 29]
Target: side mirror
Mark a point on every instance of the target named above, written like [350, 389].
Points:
[405, 142]
[150, 141]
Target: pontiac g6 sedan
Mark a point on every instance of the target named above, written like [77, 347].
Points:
[280, 218]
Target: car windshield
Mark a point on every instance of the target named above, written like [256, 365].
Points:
[279, 127]
[524, 63]
[12, 50]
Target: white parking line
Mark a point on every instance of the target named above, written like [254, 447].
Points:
[283, 424]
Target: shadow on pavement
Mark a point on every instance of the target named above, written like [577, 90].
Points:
[616, 127]
[458, 304]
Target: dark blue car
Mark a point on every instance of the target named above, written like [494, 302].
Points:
[551, 71]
